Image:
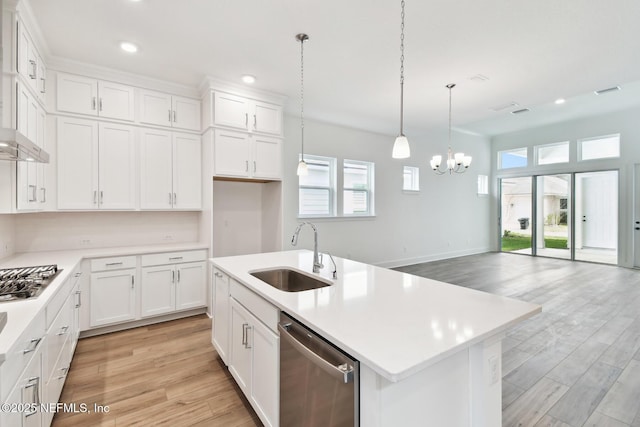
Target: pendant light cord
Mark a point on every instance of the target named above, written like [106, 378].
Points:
[402, 69]
[302, 39]
[450, 86]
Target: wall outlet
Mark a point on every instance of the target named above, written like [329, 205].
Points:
[168, 238]
[494, 370]
[85, 242]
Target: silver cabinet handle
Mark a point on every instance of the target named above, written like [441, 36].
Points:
[101, 197]
[246, 120]
[244, 334]
[173, 276]
[218, 275]
[63, 330]
[175, 199]
[170, 199]
[255, 122]
[93, 103]
[254, 166]
[32, 193]
[32, 74]
[100, 105]
[175, 116]
[111, 264]
[248, 329]
[95, 195]
[79, 303]
[246, 165]
[33, 382]
[33, 344]
[175, 258]
[44, 85]
[44, 194]
[133, 281]
[178, 276]
[169, 116]
[64, 373]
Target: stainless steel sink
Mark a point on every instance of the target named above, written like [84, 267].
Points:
[289, 280]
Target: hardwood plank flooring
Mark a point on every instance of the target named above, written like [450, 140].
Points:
[160, 375]
[575, 364]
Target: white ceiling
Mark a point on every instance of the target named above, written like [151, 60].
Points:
[531, 51]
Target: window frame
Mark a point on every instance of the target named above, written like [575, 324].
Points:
[511, 150]
[596, 138]
[537, 148]
[369, 190]
[332, 187]
[414, 172]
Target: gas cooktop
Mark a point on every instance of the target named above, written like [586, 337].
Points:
[25, 282]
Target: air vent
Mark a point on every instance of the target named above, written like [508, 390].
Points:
[607, 90]
[505, 106]
[520, 111]
[479, 78]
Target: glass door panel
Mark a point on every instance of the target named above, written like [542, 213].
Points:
[516, 219]
[553, 216]
[596, 227]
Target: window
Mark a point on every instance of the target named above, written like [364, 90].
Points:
[516, 158]
[358, 188]
[317, 189]
[603, 147]
[552, 153]
[483, 185]
[411, 179]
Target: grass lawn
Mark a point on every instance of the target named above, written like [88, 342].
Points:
[514, 242]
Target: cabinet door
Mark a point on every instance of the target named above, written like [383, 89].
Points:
[41, 167]
[76, 94]
[77, 164]
[191, 290]
[186, 113]
[115, 101]
[155, 108]
[231, 154]
[267, 157]
[265, 373]
[187, 171]
[24, 46]
[240, 363]
[267, 118]
[32, 386]
[12, 418]
[42, 80]
[112, 295]
[231, 110]
[221, 308]
[156, 178]
[158, 290]
[116, 167]
[27, 172]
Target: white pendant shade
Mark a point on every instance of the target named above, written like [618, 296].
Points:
[303, 170]
[401, 148]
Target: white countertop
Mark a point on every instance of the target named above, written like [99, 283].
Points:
[395, 323]
[20, 313]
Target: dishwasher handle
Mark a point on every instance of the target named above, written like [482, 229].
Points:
[344, 372]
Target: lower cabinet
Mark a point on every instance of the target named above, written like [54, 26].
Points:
[220, 304]
[113, 296]
[254, 363]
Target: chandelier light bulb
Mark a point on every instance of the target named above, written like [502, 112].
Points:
[303, 169]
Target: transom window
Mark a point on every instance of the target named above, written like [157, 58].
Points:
[552, 153]
[515, 158]
[603, 147]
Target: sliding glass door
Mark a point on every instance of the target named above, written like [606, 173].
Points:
[516, 218]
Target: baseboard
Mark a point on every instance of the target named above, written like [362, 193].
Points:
[433, 257]
[142, 322]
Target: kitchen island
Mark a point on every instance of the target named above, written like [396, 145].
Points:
[429, 352]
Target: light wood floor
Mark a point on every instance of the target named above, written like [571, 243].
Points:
[578, 362]
[160, 375]
[575, 364]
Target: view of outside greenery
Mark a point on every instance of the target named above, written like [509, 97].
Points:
[514, 241]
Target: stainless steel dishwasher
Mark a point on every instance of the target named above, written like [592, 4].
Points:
[319, 384]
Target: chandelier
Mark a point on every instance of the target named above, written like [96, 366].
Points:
[458, 162]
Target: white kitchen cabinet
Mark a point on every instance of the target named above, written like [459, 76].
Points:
[220, 304]
[241, 155]
[83, 95]
[96, 165]
[29, 62]
[247, 114]
[168, 284]
[255, 362]
[113, 296]
[157, 108]
[31, 385]
[170, 170]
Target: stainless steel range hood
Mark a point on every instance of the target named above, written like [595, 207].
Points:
[14, 145]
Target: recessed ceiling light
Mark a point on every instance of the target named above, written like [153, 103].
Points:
[248, 79]
[128, 47]
[3, 144]
[560, 101]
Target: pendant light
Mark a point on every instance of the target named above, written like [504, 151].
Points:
[302, 165]
[458, 163]
[401, 148]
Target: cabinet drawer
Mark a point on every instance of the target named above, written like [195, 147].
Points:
[57, 337]
[63, 292]
[264, 311]
[113, 263]
[30, 342]
[173, 257]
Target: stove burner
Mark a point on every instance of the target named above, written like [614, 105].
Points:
[25, 282]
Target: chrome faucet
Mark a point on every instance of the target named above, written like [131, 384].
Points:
[317, 265]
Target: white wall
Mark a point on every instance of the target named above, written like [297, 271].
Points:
[445, 219]
[622, 122]
[7, 235]
[77, 230]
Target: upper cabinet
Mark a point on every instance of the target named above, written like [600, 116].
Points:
[29, 63]
[83, 95]
[239, 112]
[157, 108]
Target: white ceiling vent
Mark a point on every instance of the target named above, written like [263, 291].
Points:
[520, 111]
[510, 105]
[607, 90]
[479, 78]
